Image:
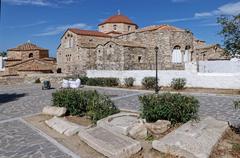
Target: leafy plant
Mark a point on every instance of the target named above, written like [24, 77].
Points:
[105, 82]
[128, 82]
[236, 147]
[84, 80]
[38, 80]
[100, 107]
[80, 103]
[178, 83]
[176, 108]
[149, 82]
[236, 104]
[231, 33]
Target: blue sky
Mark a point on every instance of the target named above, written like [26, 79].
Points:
[44, 21]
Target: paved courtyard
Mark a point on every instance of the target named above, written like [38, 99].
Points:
[19, 139]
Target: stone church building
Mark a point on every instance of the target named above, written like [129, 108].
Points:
[28, 58]
[119, 44]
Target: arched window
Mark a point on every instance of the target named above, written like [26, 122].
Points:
[129, 28]
[114, 27]
[187, 55]
[176, 55]
[30, 55]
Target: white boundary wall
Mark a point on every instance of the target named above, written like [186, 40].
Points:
[203, 80]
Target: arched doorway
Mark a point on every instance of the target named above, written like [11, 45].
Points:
[30, 55]
[176, 55]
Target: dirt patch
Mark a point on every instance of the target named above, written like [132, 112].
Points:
[84, 121]
[147, 150]
[228, 147]
[73, 142]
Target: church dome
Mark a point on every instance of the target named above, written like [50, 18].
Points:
[118, 19]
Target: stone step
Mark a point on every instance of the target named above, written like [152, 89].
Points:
[110, 144]
[63, 126]
[193, 140]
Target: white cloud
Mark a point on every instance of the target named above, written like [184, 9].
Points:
[50, 3]
[227, 9]
[176, 20]
[60, 29]
[28, 25]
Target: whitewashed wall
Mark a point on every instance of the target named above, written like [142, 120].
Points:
[214, 66]
[203, 80]
[219, 66]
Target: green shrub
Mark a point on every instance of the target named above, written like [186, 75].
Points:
[84, 80]
[105, 82]
[178, 83]
[38, 80]
[74, 100]
[176, 108]
[80, 103]
[237, 104]
[149, 82]
[128, 82]
[100, 107]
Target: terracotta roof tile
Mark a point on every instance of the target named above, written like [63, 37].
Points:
[118, 19]
[88, 32]
[26, 47]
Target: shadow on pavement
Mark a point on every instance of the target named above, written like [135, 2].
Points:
[4, 98]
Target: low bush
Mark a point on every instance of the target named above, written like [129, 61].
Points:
[237, 104]
[100, 106]
[178, 83]
[37, 80]
[105, 82]
[128, 82]
[80, 103]
[176, 108]
[74, 100]
[84, 80]
[149, 82]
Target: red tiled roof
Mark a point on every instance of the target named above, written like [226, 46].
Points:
[26, 47]
[160, 27]
[118, 19]
[88, 32]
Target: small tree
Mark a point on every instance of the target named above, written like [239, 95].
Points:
[3, 54]
[231, 33]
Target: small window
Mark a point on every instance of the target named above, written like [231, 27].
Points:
[99, 51]
[30, 55]
[110, 46]
[114, 27]
[139, 59]
[102, 26]
[129, 28]
[59, 70]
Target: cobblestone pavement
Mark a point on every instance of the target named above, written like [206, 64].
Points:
[19, 140]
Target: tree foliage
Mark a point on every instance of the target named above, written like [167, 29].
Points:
[3, 54]
[231, 33]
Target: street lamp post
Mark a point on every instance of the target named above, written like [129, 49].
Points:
[156, 86]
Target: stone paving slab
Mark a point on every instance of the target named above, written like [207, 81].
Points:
[19, 141]
[120, 123]
[108, 143]
[63, 126]
[193, 140]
